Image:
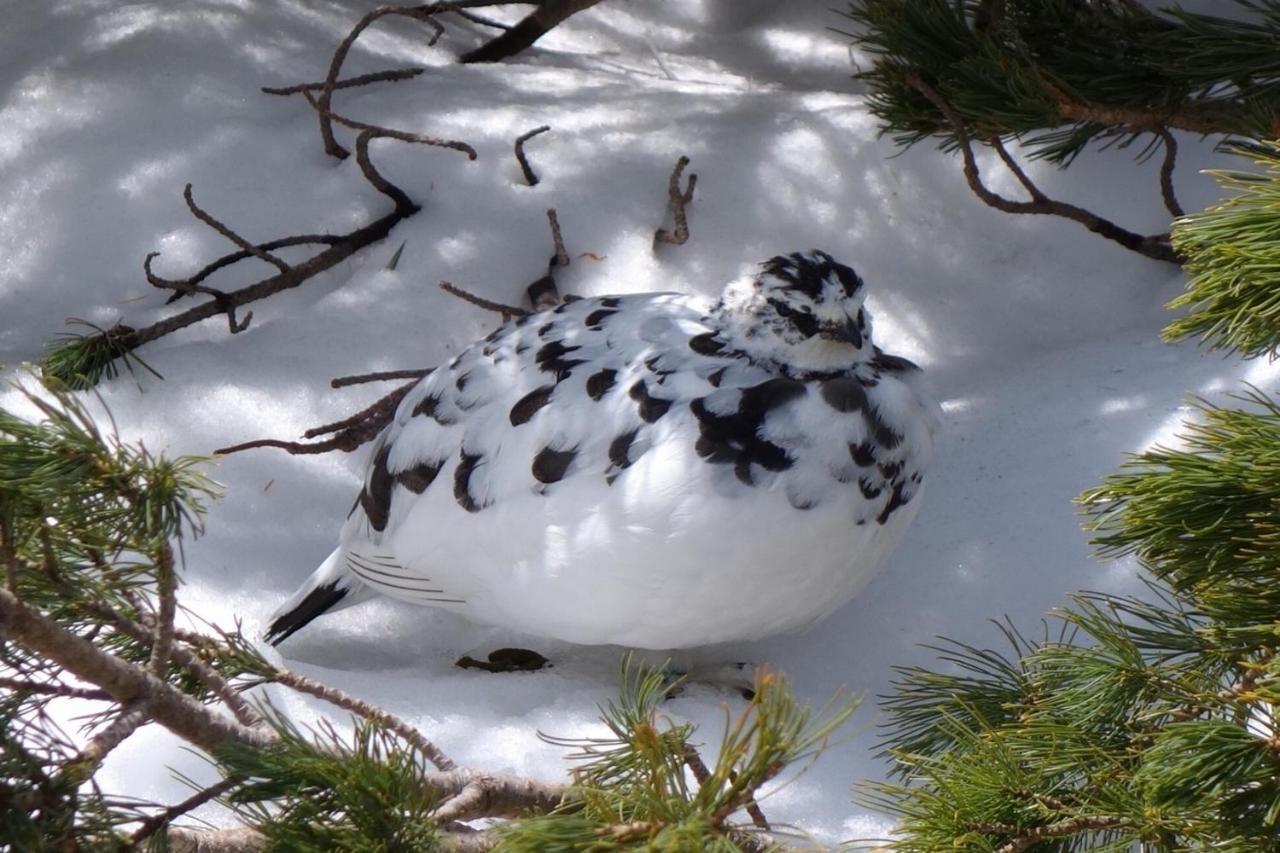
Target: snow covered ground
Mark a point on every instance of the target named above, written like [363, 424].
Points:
[1041, 339]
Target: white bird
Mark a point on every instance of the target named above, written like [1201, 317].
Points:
[648, 470]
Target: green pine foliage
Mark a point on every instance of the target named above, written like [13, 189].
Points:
[1135, 723]
[1059, 75]
[644, 788]
[1234, 267]
[363, 793]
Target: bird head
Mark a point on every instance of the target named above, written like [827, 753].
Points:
[803, 311]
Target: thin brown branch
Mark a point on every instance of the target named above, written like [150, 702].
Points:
[378, 130]
[199, 725]
[561, 258]
[527, 31]
[1155, 246]
[381, 376]
[125, 339]
[420, 13]
[480, 302]
[480, 19]
[351, 432]
[160, 820]
[677, 200]
[392, 76]
[1032, 190]
[1166, 174]
[334, 696]
[245, 245]
[530, 177]
[186, 286]
[45, 688]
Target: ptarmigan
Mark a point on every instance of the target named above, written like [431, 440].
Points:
[646, 470]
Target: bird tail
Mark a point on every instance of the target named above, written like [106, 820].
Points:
[330, 587]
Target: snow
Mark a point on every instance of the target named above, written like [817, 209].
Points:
[1040, 339]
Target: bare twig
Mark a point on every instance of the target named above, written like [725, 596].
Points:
[530, 177]
[378, 130]
[480, 302]
[124, 340]
[382, 376]
[1166, 174]
[562, 257]
[186, 286]
[1155, 246]
[527, 31]
[335, 696]
[352, 432]
[351, 82]
[156, 822]
[480, 19]
[244, 244]
[423, 13]
[677, 200]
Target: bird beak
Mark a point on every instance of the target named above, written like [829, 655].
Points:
[846, 332]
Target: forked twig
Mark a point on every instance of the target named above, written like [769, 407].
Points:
[530, 177]
[677, 200]
[1154, 246]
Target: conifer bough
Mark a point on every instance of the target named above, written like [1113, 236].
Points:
[1059, 75]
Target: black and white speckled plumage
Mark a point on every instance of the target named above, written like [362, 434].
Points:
[647, 470]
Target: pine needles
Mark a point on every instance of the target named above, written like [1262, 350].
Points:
[1233, 259]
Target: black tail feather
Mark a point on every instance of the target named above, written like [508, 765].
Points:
[315, 603]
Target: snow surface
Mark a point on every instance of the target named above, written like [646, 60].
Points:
[1041, 339]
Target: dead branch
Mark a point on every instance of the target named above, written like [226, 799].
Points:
[527, 31]
[382, 376]
[480, 19]
[334, 696]
[244, 244]
[1166, 174]
[186, 286]
[123, 339]
[349, 433]
[1155, 246]
[677, 200]
[507, 311]
[405, 136]
[562, 257]
[530, 177]
[130, 718]
[391, 76]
